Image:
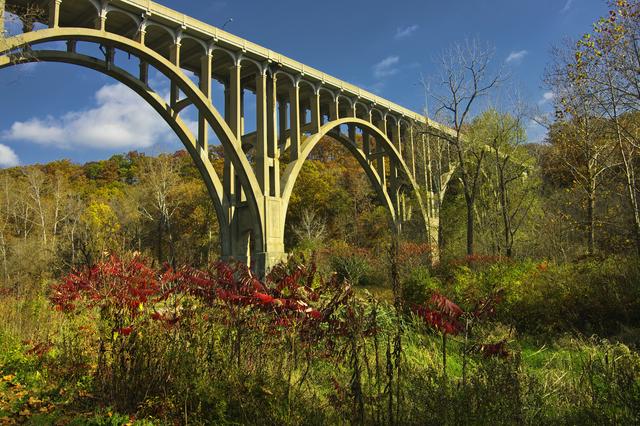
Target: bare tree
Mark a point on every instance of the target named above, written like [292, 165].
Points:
[36, 181]
[607, 64]
[466, 77]
[579, 137]
[18, 18]
[311, 229]
[160, 178]
[508, 172]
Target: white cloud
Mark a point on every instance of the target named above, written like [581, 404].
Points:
[516, 57]
[403, 32]
[567, 6]
[120, 120]
[546, 98]
[386, 67]
[8, 158]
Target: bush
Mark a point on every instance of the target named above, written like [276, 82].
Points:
[588, 297]
[543, 299]
[419, 285]
[351, 265]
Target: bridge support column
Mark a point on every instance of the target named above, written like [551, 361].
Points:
[334, 110]
[381, 165]
[54, 13]
[316, 119]
[2, 6]
[205, 87]
[273, 152]
[262, 158]
[174, 56]
[273, 251]
[242, 236]
[433, 229]
[100, 22]
[366, 148]
[294, 121]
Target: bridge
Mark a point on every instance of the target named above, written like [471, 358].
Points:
[296, 107]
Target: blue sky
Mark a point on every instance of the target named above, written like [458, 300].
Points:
[55, 111]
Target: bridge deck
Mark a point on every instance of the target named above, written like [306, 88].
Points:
[196, 33]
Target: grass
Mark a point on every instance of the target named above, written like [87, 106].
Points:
[561, 378]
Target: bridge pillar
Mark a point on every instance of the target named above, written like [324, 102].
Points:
[54, 13]
[2, 5]
[433, 229]
[294, 121]
[100, 22]
[273, 252]
[273, 152]
[205, 87]
[316, 119]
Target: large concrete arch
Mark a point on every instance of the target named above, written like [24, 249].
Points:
[292, 171]
[204, 166]
[175, 75]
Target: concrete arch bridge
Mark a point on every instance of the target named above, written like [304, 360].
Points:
[296, 106]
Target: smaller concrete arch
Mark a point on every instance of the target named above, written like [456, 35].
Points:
[220, 54]
[404, 121]
[111, 9]
[121, 22]
[345, 106]
[323, 89]
[148, 24]
[309, 84]
[376, 115]
[93, 6]
[196, 41]
[346, 98]
[390, 118]
[362, 111]
[291, 78]
[243, 58]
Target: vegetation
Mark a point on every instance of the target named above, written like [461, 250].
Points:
[115, 309]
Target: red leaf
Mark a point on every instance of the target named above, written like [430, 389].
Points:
[264, 298]
[125, 331]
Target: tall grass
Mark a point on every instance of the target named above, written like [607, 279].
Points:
[218, 346]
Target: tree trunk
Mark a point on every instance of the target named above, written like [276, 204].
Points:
[470, 243]
[631, 187]
[506, 221]
[160, 241]
[591, 206]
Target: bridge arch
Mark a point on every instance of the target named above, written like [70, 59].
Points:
[174, 74]
[210, 177]
[293, 169]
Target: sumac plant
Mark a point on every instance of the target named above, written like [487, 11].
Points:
[445, 316]
[145, 313]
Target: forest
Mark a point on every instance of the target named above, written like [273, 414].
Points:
[521, 304]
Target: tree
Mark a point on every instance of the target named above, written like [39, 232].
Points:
[160, 179]
[310, 230]
[508, 171]
[465, 78]
[12, 18]
[606, 64]
[579, 136]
